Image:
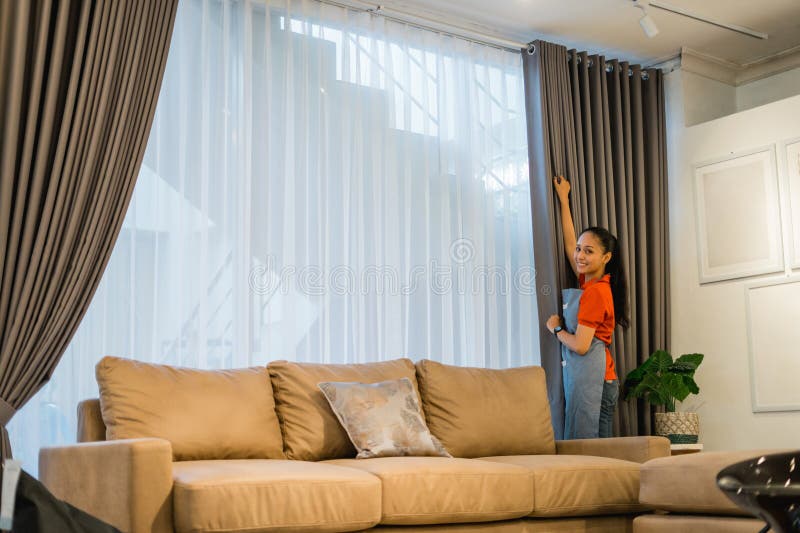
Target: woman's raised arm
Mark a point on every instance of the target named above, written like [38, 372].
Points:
[562, 190]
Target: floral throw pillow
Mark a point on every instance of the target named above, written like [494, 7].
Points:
[382, 419]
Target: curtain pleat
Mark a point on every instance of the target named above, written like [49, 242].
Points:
[610, 115]
[550, 130]
[77, 97]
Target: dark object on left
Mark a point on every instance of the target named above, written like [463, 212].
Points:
[36, 510]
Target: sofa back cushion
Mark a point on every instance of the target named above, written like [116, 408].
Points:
[481, 412]
[90, 421]
[311, 431]
[205, 414]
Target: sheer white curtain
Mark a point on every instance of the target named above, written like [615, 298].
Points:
[319, 185]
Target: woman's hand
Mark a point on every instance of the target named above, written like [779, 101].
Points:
[552, 322]
[562, 188]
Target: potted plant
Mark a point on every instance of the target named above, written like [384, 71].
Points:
[662, 381]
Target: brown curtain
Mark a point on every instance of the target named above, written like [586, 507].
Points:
[602, 125]
[79, 82]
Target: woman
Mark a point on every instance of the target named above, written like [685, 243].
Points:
[591, 386]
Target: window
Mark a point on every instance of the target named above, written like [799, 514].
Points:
[319, 185]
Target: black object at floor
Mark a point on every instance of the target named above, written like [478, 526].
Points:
[36, 510]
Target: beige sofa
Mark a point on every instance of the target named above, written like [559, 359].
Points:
[169, 449]
[683, 492]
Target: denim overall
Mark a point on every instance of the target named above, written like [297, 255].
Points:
[584, 376]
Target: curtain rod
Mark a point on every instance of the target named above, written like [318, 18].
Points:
[610, 67]
[429, 24]
[467, 34]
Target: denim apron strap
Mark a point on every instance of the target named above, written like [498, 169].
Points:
[583, 377]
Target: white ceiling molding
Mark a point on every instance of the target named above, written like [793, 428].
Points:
[769, 66]
[735, 74]
[709, 66]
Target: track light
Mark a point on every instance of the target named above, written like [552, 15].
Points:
[646, 22]
[648, 25]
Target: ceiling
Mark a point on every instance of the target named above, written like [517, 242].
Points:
[610, 27]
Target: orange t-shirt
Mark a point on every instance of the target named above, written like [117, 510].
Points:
[596, 310]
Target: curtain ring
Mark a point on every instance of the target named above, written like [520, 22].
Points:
[645, 76]
[609, 69]
[591, 63]
[531, 49]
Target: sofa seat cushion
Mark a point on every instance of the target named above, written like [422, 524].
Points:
[577, 524]
[670, 523]
[440, 490]
[579, 485]
[273, 495]
[688, 483]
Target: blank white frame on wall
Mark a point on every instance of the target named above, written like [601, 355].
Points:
[737, 208]
[791, 151]
[773, 336]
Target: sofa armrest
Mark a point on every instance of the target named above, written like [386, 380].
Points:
[127, 483]
[636, 449]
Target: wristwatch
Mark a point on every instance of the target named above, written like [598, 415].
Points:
[557, 329]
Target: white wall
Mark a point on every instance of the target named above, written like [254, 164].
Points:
[768, 90]
[711, 318]
[705, 99]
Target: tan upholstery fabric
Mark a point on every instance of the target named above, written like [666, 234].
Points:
[506, 526]
[589, 524]
[205, 414]
[311, 431]
[636, 449]
[273, 495]
[594, 524]
[382, 419]
[477, 412]
[693, 524]
[90, 421]
[573, 485]
[688, 483]
[438, 490]
[127, 483]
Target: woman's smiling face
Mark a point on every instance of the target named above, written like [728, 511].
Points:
[590, 257]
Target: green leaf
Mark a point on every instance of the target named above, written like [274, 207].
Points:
[675, 387]
[682, 368]
[692, 358]
[638, 373]
[662, 360]
[651, 389]
[657, 399]
[636, 376]
[691, 385]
